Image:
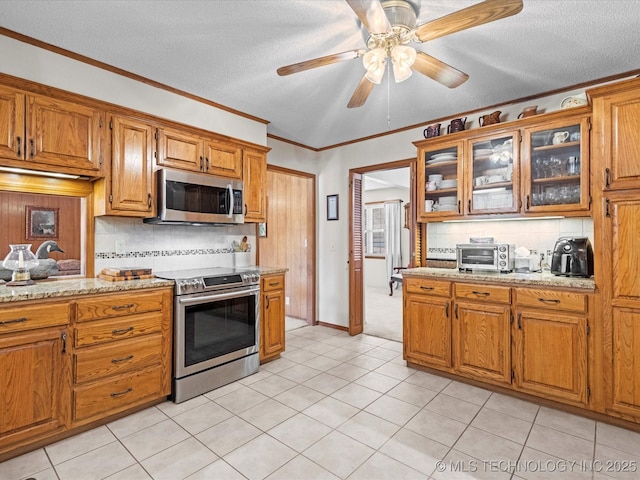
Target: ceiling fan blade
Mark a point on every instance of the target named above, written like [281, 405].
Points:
[439, 71]
[320, 62]
[364, 88]
[371, 14]
[484, 12]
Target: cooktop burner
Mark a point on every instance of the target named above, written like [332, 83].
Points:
[210, 278]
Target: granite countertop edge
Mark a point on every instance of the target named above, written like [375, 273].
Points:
[58, 288]
[268, 270]
[525, 279]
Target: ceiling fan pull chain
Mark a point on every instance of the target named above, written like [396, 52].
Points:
[388, 96]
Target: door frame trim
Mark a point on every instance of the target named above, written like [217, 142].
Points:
[412, 164]
[312, 242]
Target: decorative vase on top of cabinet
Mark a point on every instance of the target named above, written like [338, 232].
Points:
[440, 171]
[556, 173]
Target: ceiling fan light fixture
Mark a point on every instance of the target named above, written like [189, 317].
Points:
[374, 62]
[402, 57]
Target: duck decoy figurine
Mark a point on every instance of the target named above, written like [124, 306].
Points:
[46, 267]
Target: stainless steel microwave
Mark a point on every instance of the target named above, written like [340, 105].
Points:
[196, 198]
[491, 257]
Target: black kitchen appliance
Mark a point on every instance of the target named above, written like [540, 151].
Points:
[572, 257]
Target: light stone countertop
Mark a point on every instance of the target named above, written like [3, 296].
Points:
[56, 288]
[265, 270]
[544, 279]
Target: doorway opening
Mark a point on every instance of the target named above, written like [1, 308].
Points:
[287, 239]
[381, 238]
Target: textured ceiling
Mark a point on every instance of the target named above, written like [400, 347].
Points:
[228, 52]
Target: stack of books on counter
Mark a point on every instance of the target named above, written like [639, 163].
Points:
[117, 274]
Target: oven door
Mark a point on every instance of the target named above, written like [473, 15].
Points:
[214, 328]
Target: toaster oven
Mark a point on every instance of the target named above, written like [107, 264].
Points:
[488, 257]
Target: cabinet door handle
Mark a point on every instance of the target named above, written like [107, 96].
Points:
[481, 294]
[124, 392]
[122, 307]
[607, 178]
[519, 321]
[32, 147]
[19, 142]
[15, 320]
[120, 360]
[267, 299]
[526, 205]
[546, 300]
[206, 164]
[459, 205]
[64, 342]
[246, 209]
[122, 331]
[201, 163]
[607, 207]
[149, 200]
[469, 204]
[426, 288]
[446, 310]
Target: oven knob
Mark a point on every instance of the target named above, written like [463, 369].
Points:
[502, 248]
[502, 264]
[195, 284]
[503, 256]
[255, 277]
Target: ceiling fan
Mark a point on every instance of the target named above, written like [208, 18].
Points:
[391, 26]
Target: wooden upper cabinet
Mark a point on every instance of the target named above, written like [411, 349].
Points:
[625, 261]
[222, 158]
[616, 135]
[132, 146]
[64, 134]
[178, 149]
[254, 175]
[39, 132]
[12, 139]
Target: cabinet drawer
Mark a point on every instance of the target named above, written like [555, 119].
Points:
[427, 286]
[102, 331]
[272, 282]
[110, 306]
[117, 394]
[551, 299]
[17, 319]
[117, 357]
[493, 293]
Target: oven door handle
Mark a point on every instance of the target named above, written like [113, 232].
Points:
[218, 296]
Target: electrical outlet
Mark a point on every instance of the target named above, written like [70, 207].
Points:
[120, 247]
[286, 300]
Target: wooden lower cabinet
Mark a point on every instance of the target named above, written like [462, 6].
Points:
[81, 361]
[482, 341]
[551, 355]
[625, 394]
[34, 373]
[121, 354]
[427, 323]
[533, 340]
[272, 312]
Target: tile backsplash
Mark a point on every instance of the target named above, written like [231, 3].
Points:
[123, 242]
[534, 234]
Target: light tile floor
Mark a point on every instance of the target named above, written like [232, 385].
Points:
[336, 406]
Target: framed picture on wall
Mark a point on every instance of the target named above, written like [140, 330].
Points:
[42, 223]
[332, 207]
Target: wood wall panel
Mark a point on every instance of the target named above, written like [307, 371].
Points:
[290, 220]
[14, 228]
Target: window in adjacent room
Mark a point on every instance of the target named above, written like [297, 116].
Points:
[373, 230]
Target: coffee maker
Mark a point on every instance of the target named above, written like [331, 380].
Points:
[572, 257]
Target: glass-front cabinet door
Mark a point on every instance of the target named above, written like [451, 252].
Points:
[440, 171]
[494, 166]
[556, 172]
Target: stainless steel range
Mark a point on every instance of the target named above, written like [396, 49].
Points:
[216, 328]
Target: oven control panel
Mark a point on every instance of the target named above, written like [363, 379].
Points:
[185, 286]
